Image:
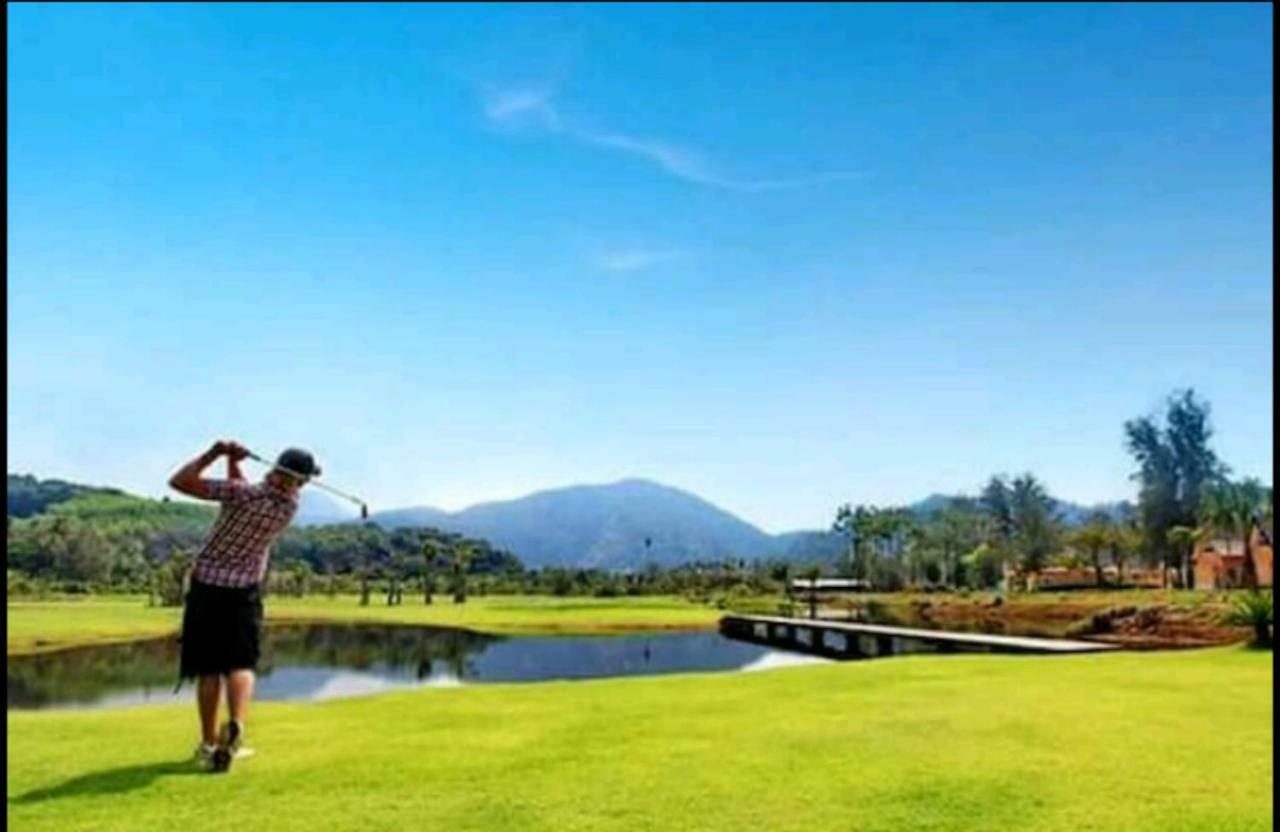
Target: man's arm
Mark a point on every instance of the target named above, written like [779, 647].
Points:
[188, 479]
[235, 453]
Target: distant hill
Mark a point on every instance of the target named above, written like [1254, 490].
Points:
[420, 517]
[620, 525]
[1072, 514]
[26, 495]
[316, 508]
[810, 546]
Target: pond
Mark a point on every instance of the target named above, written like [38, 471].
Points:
[313, 662]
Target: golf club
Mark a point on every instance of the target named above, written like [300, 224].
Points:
[364, 508]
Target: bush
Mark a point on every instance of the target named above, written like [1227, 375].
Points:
[1255, 611]
[21, 584]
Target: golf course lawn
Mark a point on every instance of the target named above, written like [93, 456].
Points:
[48, 625]
[1126, 741]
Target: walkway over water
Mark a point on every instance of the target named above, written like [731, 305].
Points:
[862, 640]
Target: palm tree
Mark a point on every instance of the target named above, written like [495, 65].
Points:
[394, 567]
[847, 523]
[812, 574]
[1125, 541]
[956, 531]
[1035, 527]
[1238, 508]
[364, 581]
[863, 529]
[430, 559]
[1184, 540]
[460, 561]
[1092, 539]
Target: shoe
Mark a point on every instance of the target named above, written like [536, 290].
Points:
[204, 755]
[229, 742]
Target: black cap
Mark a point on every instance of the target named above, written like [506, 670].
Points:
[298, 461]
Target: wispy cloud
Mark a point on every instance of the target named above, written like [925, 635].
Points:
[523, 105]
[634, 259]
[690, 166]
[507, 106]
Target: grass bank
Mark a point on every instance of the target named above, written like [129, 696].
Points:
[1125, 742]
[35, 626]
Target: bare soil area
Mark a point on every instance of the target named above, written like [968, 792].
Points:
[1125, 618]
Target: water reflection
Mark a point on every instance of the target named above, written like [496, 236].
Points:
[328, 661]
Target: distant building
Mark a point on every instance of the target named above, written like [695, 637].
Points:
[1219, 563]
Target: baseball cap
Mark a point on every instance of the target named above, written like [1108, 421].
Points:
[298, 461]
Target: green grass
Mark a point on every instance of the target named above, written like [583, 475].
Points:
[1125, 742]
[45, 625]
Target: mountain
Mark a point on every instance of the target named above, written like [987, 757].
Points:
[620, 525]
[605, 526]
[419, 517]
[809, 545]
[315, 508]
[26, 495]
[1074, 514]
[931, 504]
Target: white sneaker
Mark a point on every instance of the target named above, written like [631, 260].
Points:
[204, 755]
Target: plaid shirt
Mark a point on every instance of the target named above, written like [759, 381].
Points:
[252, 517]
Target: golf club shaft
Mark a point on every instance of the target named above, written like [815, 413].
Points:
[309, 481]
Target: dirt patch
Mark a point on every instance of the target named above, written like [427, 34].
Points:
[1136, 626]
[1164, 627]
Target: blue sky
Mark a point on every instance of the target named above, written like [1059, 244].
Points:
[782, 257]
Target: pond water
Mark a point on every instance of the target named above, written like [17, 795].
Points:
[312, 662]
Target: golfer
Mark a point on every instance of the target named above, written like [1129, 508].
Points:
[222, 622]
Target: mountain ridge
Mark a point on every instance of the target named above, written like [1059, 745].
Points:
[532, 526]
[623, 524]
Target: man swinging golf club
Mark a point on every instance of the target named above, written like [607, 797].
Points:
[222, 622]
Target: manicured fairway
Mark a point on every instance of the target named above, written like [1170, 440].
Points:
[1126, 742]
[45, 625]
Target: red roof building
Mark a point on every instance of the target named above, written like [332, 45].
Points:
[1219, 563]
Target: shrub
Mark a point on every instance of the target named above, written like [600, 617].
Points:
[1254, 610]
[21, 584]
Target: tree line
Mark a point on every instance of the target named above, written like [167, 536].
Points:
[969, 542]
[1185, 496]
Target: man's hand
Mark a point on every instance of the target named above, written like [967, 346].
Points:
[229, 448]
[235, 452]
[188, 479]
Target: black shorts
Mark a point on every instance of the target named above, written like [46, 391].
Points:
[221, 630]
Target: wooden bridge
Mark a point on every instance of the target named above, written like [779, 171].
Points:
[846, 639]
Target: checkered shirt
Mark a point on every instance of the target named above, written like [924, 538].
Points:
[251, 518]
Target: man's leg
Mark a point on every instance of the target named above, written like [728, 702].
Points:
[208, 691]
[239, 692]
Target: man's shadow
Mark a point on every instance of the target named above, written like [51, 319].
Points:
[111, 781]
